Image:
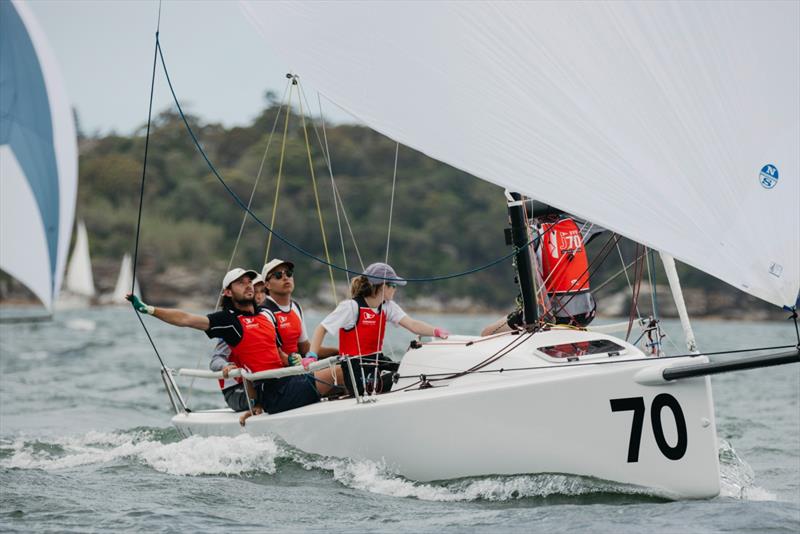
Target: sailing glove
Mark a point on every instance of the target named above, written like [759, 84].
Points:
[140, 306]
[441, 333]
[295, 359]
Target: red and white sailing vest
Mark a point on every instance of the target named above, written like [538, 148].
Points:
[258, 349]
[565, 267]
[290, 324]
[366, 337]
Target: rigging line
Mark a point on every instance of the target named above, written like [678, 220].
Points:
[144, 163]
[651, 277]
[389, 228]
[280, 163]
[141, 196]
[627, 278]
[280, 236]
[316, 198]
[337, 197]
[445, 376]
[327, 153]
[255, 185]
[637, 285]
[241, 227]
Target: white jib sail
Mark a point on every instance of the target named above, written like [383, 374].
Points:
[38, 156]
[79, 272]
[676, 124]
[123, 285]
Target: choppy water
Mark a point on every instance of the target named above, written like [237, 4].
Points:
[85, 444]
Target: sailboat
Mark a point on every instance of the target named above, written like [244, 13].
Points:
[123, 285]
[79, 290]
[38, 157]
[676, 125]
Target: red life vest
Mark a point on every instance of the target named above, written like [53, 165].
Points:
[366, 337]
[290, 324]
[565, 267]
[258, 349]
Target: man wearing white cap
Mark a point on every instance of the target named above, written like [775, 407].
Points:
[233, 388]
[252, 337]
[278, 276]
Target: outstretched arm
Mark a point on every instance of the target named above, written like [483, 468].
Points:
[422, 328]
[501, 325]
[171, 316]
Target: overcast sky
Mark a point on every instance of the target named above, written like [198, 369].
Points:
[219, 64]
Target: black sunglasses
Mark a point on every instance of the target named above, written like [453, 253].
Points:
[277, 275]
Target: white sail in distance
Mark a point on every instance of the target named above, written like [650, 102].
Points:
[675, 124]
[80, 280]
[38, 156]
[123, 285]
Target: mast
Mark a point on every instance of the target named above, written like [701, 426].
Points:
[522, 259]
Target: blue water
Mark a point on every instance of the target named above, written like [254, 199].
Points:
[85, 444]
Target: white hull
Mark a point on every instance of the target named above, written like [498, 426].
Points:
[557, 419]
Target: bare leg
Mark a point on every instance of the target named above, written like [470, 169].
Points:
[327, 377]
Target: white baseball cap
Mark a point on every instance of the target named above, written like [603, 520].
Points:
[258, 279]
[270, 266]
[235, 274]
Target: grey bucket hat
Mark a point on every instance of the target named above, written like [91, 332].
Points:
[380, 273]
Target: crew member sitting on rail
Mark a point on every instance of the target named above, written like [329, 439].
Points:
[254, 343]
[233, 388]
[561, 250]
[361, 325]
[279, 278]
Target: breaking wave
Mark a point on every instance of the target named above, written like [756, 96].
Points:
[245, 455]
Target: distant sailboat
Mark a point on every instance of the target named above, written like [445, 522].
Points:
[123, 285]
[38, 157]
[79, 287]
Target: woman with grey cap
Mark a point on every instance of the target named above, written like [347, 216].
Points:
[361, 324]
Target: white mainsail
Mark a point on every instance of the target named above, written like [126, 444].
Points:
[676, 124]
[80, 280]
[38, 157]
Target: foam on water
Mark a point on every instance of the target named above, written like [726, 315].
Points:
[244, 454]
[193, 456]
[375, 477]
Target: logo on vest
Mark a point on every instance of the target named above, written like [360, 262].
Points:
[282, 318]
[250, 322]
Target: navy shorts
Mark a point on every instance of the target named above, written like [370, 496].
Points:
[280, 394]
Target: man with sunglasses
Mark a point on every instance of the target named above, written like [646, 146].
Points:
[252, 337]
[278, 277]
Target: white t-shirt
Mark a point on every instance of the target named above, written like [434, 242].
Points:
[346, 313]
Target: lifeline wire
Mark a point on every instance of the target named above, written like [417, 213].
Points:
[291, 244]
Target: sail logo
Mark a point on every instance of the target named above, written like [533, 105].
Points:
[768, 176]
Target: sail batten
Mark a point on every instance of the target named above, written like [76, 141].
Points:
[660, 121]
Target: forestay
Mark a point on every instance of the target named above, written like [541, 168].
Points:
[38, 156]
[674, 124]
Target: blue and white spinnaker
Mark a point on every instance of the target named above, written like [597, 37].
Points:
[38, 156]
